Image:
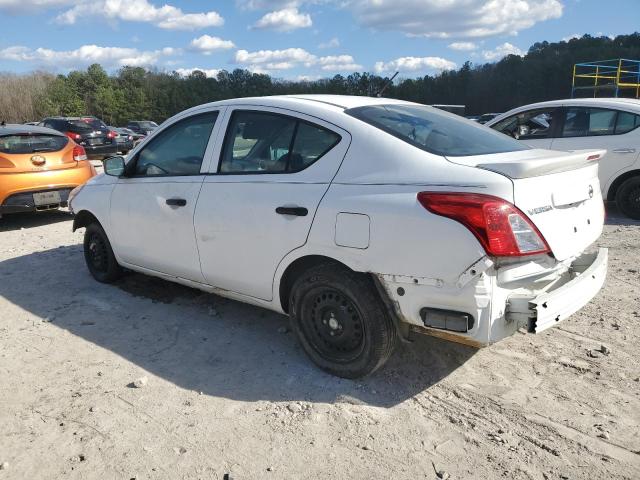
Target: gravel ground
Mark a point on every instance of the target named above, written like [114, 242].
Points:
[147, 379]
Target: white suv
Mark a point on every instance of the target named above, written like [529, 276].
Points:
[361, 218]
[580, 123]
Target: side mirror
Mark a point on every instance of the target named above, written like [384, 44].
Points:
[114, 166]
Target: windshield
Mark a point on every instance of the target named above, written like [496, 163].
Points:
[30, 143]
[436, 131]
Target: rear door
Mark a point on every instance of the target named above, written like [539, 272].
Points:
[152, 207]
[614, 130]
[259, 202]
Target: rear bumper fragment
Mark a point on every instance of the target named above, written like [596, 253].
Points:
[583, 281]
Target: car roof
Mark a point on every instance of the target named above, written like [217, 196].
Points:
[15, 128]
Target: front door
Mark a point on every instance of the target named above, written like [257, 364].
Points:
[258, 205]
[152, 207]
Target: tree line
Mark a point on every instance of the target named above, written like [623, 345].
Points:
[133, 93]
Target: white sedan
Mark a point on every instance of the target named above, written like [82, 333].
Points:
[361, 218]
[580, 123]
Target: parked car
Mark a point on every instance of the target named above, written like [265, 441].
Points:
[361, 218]
[31, 123]
[124, 139]
[144, 127]
[485, 117]
[575, 124]
[38, 168]
[89, 132]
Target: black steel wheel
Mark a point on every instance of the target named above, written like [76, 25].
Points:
[628, 198]
[340, 321]
[99, 256]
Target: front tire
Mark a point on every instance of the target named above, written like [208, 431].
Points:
[628, 198]
[340, 321]
[99, 256]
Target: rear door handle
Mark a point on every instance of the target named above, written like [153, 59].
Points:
[624, 150]
[297, 211]
[176, 202]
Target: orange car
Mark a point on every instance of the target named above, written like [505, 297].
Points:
[38, 168]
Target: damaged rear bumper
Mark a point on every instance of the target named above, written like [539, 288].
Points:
[565, 297]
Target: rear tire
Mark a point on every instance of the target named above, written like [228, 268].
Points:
[628, 198]
[99, 256]
[340, 321]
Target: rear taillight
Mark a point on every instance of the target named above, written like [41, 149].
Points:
[72, 135]
[111, 134]
[502, 229]
[79, 153]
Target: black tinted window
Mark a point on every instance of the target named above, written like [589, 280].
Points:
[583, 122]
[626, 122]
[529, 125]
[17, 144]
[435, 131]
[179, 149]
[263, 142]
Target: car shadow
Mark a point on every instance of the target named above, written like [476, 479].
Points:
[615, 217]
[17, 221]
[206, 343]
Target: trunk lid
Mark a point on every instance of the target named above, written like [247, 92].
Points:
[559, 192]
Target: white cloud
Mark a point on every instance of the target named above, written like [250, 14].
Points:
[454, 18]
[284, 20]
[207, 44]
[338, 63]
[501, 51]
[209, 73]
[86, 55]
[463, 46]
[167, 16]
[264, 61]
[28, 6]
[412, 64]
[333, 43]
[275, 59]
[571, 37]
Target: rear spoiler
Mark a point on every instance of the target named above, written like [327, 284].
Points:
[535, 167]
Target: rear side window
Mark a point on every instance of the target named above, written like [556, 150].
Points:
[263, 142]
[179, 149]
[17, 144]
[434, 131]
[626, 122]
[589, 122]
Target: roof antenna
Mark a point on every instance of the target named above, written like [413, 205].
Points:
[384, 87]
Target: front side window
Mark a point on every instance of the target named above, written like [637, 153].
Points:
[529, 125]
[434, 131]
[263, 142]
[177, 150]
[588, 122]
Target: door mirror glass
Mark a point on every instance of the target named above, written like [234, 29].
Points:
[114, 166]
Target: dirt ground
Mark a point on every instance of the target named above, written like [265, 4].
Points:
[228, 392]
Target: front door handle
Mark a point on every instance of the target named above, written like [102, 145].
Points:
[176, 202]
[297, 211]
[624, 150]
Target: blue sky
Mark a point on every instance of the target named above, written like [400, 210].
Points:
[292, 38]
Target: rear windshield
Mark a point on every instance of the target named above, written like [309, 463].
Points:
[87, 125]
[31, 143]
[435, 131]
[147, 124]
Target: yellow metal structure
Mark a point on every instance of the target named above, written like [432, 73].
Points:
[619, 76]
